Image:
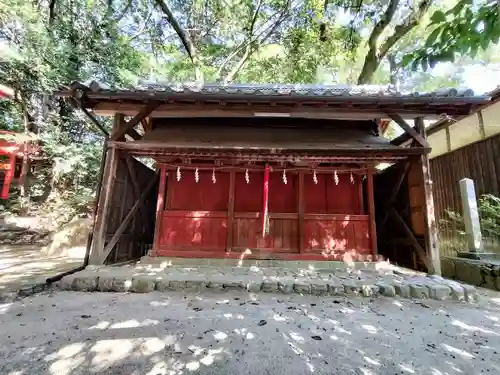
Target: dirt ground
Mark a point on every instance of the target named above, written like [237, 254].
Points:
[238, 333]
[26, 265]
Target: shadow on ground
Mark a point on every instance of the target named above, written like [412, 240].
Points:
[240, 333]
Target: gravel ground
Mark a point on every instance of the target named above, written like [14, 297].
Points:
[238, 333]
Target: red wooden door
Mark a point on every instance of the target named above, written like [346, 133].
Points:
[283, 217]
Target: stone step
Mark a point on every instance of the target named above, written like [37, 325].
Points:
[261, 263]
[118, 280]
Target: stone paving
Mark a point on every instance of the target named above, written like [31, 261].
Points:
[386, 281]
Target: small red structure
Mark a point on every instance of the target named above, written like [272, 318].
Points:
[11, 156]
[8, 149]
[12, 152]
[264, 171]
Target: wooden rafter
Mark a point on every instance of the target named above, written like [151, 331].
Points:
[129, 126]
[408, 129]
[92, 118]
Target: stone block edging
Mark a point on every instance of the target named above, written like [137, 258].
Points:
[480, 273]
[436, 288]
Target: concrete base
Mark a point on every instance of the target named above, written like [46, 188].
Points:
[478, 255]
[265, 263]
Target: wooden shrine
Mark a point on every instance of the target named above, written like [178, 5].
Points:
[268, 172]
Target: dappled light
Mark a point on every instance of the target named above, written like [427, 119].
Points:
[22, 266]
[236, 332]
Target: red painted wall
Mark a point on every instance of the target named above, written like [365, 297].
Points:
[196, 216]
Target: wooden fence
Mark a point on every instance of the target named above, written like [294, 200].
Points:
[479, 161]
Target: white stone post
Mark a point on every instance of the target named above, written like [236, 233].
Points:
[471, 215]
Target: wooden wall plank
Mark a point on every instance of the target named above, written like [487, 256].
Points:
[479, 161]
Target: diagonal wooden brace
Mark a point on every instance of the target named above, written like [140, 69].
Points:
[129, 126]
[408, 129]
[395, 190]
[127, 220]
[420, 251]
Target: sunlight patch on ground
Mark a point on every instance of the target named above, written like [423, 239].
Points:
[460, 352]
[372, 361]
[369, 328]
[407, 368]
[134, 324]
[467, 327]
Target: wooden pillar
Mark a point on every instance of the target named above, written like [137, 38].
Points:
[103, 206]
[105, 196]
[9, 174]
[300, 197]
[431, 233]
[230, 210]
[371, 211]
[160, 204]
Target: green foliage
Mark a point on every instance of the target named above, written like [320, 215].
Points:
[489, 216]
[47, 44]
[462, 30]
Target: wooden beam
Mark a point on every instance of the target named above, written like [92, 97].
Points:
[126, 221]
[431, 233]
[480, 120]
[92, 118]
[300, 197]
[371, 212]
[402, 140]
[409, 234]
[104, 205]
[160, 206]
[143, 113]
[118, 124]
[407, 128]
[448, 138]
[239, 109]
[230, 210]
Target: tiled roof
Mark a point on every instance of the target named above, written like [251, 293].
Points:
[273, 90]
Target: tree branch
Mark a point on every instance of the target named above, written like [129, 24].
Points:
[371, 59]
[254, 43]
[375, 55]
[184, 36]
[52, 11]
[405, 27]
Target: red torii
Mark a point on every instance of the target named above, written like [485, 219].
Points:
[11, 148]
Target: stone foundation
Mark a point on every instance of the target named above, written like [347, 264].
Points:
[485, 274]
[343, 282]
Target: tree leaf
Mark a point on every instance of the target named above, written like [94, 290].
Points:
[432, 61]
[407, 59]
[415, 64]
[438, 17]
[425, 63]
[432, 37]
